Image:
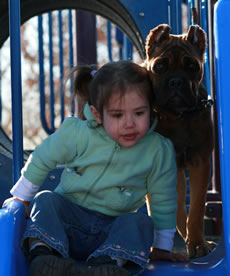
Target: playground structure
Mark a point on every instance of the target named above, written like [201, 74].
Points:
[135, 18]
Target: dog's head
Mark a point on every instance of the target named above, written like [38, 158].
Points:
[176, 66]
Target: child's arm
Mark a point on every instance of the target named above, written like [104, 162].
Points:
[23, 191]
[59, 147]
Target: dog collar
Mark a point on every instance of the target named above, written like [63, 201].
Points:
[165, 114]
[206, 103]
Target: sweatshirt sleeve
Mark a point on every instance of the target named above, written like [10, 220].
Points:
[163, 239]
[161, 185]
[24, 189]
[58, 148]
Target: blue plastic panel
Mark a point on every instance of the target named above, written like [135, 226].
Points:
[12, 224]
[148, 14]
[222, 56]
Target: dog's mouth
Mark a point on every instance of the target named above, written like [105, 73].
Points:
[180, 104]
[177, 101]
[180, 95]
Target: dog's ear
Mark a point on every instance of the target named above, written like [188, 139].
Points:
[155, 37]
[197, 37]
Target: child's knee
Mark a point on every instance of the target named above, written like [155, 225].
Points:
[143, 219]
[45, 196]
[138, 219]
[44, 199]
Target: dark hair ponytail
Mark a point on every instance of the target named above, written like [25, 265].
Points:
[82, 75]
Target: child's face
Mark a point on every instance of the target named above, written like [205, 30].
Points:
[126, 119]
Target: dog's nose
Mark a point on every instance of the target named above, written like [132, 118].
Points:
[175, 83]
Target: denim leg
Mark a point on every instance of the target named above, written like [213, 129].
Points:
[65, 226]
[130, 237]
[45, 223]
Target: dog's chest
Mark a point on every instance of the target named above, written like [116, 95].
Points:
[191, 135]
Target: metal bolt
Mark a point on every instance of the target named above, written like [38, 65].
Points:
[52, 178]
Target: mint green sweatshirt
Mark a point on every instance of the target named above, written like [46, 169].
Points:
[101, 175]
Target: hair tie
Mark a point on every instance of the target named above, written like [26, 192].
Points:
[93, 73]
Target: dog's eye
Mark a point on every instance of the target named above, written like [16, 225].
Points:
[191, 65]
[160, 66]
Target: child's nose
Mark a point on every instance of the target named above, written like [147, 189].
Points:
[129, 121]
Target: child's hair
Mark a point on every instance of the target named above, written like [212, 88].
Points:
[96, 87]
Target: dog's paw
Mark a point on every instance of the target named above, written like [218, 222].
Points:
[201, 249]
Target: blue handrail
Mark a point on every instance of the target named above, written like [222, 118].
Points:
[191, 5]
[0, 88]
[16, 86]
[175, 21]
[61, 66]
[127, 48]
[109, 41]
[120, 40]
[52, 115]
[204, 25]
[42, 76]
[71, 61]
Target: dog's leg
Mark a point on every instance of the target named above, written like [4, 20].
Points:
[198, 181]
[181, 211]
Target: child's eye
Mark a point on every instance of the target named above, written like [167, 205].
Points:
[117, 115]
[139, 113]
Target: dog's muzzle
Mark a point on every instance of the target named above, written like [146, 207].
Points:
[175, 83]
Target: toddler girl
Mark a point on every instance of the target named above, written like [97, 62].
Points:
[112, 160]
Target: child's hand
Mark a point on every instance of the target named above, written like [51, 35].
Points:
[157, 254]
[26, 204]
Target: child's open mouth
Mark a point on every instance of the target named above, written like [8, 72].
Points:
[129, 136]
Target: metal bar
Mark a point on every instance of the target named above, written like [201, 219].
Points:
[216, 182]
[178, 7]
[51, 82]
[109, 41]
[175, 14]
[204, 25]
[86, 44]
[127, 48]
[120, 40]
[191, 5]
[16, 87]
[61, 66]
[71, 62]
[42, 76]
[0, 88]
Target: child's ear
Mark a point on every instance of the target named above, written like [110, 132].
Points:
[96, 114]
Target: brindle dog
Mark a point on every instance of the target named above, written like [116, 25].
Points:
[184, 116]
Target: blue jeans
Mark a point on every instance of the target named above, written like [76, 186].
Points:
[80, 233]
